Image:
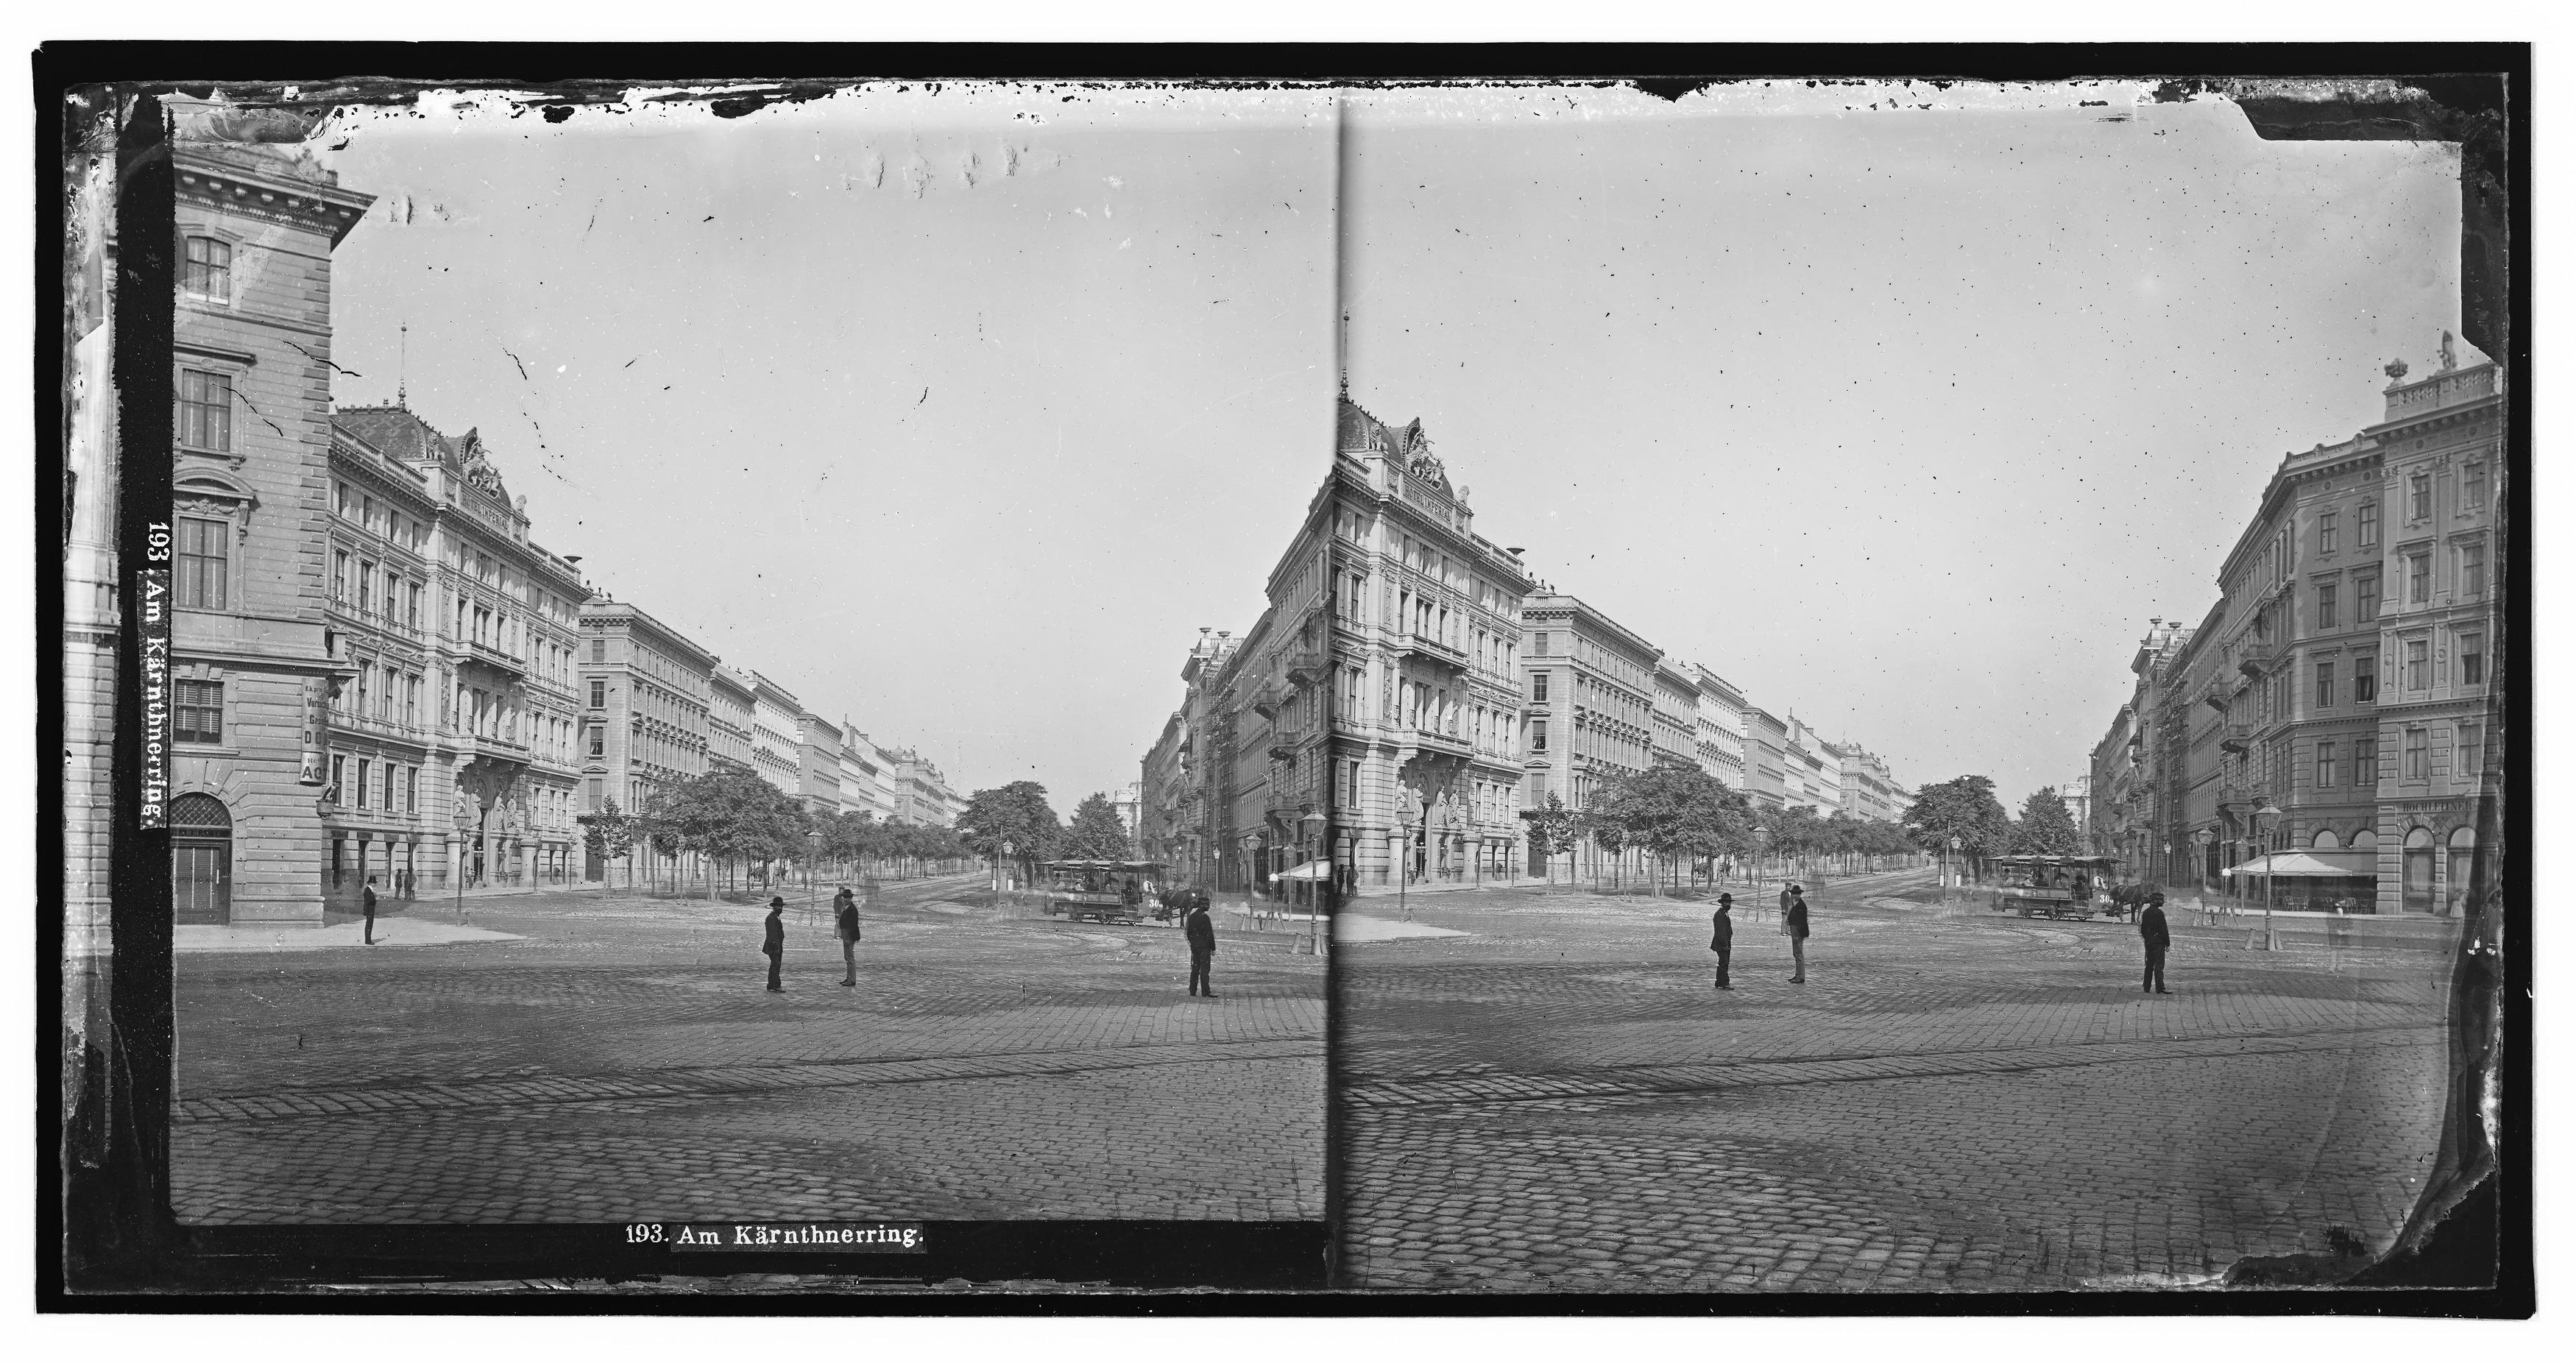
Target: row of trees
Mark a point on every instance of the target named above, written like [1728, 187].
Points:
[1014, 823]
[1966, 808]
[1687, 820]
[735, 820]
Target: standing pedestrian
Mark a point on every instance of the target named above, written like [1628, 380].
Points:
[1786, 894]
[845, 919]
[1722, 937]
[2151, 931]
[367, 904]
[1202, 935]
[773, 941]
[1794, 922]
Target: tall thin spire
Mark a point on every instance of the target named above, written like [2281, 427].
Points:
[1346, 354]
[402, 364]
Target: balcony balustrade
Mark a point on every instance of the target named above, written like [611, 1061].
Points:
[1429, 649]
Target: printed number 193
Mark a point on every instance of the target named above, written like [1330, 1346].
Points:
[644, 1235]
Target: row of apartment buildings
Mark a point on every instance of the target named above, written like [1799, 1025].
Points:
[377, 672]
[2344, 678]
[1411, 690]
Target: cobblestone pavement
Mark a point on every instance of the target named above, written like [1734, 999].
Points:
[1559, 1101]
[622, 1062]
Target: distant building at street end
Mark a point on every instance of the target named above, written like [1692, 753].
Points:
[818, 752]
[1766, 758]
[646, 689]
[729, 701]
[777, 745]
[255, 659]
[1180, 816]
[921, 793]
[1129, 802]
[867, 775]
[1869, 790]
[1591, 683]
[2077, 796]
[1676, 714]
[1721, 728]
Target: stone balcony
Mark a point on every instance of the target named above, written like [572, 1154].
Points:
[1432, 650]
[1308, 667]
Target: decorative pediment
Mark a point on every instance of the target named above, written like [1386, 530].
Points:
[208, 490]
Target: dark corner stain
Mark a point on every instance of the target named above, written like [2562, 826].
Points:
[557, 113]
[2346, 1255]
[1671, 88]
[736, 108]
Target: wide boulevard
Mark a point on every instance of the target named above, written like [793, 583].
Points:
[586, 1057]
[1552, 1097]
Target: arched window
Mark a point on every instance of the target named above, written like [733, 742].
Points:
[2463, 850]
[2364, 840]
[2326, 839]
[200, 814]
[2419, 871]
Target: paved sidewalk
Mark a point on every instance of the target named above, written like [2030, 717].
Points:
[602, 1059]
[1559, 1101]
[390, 932]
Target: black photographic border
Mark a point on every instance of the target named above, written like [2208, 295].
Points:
[107, 1239]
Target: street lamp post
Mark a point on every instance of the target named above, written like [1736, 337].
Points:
[2268, 823]
[1314, 890]
[813, 854]
[1761, 862]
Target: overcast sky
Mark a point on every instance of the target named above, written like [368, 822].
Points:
[954, 414]
[1904, 420]
[958, 414]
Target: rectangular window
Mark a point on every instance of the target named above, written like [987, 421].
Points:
[2365, 678]
[209, 273]
[2365, 761]
[337, 763]
[599, 740]
[1538, 686]
[1538, 644]
[2470, 768]
[2418, 665]
[204, 568]
[411, 702]
[2473, 660]
[411, 790]
[2473, 569]
[2473, 487]
[1538, 735]
[2366, 588]
[366, 601]
[590, 793]
[200, 717]
[2419, 496]
[2419, 578]
[2326, 606]
[2325, 764]
[205, 410]
[2417, 767]
[2367, 521]
[599, 650]
[598, 694]
[2325, 686]
[411, 604]
[339, 577]
[2326, 532]
[390, 769]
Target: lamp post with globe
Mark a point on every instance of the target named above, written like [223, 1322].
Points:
[2267, 822]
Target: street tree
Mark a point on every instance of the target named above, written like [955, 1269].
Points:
[1551, 832]
[1097, 832]
[2046, 828]
[1964, 808]
[1016, 816]
[609, 835]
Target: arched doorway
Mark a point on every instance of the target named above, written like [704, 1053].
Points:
[201, 860]
[2419, 871]
[2463, 849]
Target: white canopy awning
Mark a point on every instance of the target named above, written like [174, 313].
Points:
[2314, 864]
[1313, 870]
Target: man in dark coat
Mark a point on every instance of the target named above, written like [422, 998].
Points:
[1795, 922]
[1202, 935]
[845, 921]
[1721, 937]
[367, 905]
[2151, 931]
[773, 941]
[1786, 895]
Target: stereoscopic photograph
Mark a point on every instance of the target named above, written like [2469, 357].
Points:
[1720, 687]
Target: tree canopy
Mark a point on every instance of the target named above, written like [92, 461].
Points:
[1017, 816]
[1964, 808]
[2046, 828]
[1097, 831]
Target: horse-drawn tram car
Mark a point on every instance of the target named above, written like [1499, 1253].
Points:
[1108, 891]
[2054, 887]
